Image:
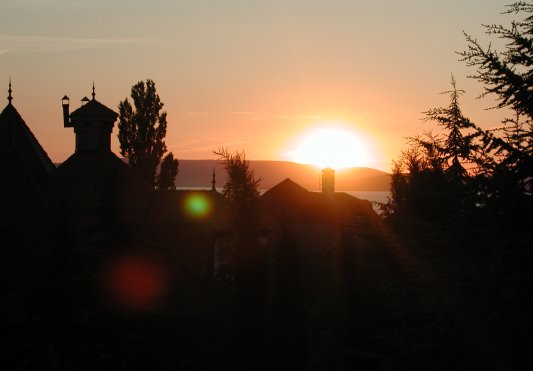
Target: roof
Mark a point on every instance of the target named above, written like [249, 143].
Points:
[22, 205]
[90, 178]
[293, 202]
[94, 109]
[16, 137]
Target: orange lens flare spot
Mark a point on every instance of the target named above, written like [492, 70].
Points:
[136, 283]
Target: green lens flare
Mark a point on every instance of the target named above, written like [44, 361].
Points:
[198, 205]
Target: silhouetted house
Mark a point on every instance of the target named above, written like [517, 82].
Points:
[25, 218]
[94, 187]
[95, 208]
[292, 202]
[24, 166]
[317, 219]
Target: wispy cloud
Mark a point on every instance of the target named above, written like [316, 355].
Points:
[284, 117]
[44, 44]
[205, 149]
[296, 117]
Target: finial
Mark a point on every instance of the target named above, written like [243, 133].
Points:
[9, 97]
[213, 181]
[93, 94]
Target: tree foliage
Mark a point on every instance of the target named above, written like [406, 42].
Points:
[466, 170]
[507, 158]
[455, 150]
[168, 172]
[509, 74]
[142, 129]
[241, 188]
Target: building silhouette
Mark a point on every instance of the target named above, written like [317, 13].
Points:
[92, 253]
[94, 204]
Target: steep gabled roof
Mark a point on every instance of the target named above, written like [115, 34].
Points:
[16, 137]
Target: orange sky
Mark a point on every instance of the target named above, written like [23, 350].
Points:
[248, 75]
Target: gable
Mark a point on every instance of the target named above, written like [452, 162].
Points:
[16, 137]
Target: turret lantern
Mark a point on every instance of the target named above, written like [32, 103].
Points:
[92, 122]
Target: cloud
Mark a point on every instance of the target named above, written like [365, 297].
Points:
[296, 117]
[44, 44]
[285, 117]
[207, 145]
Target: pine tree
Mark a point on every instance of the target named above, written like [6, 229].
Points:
[457, 147]
[507, 161]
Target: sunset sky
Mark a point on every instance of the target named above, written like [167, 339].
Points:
[249, 75]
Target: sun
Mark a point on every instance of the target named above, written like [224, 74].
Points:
[331, 147]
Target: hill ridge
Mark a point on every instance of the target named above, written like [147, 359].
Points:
[198, 173]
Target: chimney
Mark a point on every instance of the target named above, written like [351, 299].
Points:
[65, 101]
[328, 181]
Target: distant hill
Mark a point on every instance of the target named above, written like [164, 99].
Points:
[197, 173]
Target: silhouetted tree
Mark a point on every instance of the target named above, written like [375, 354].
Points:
[243, 195]
[456, 148]
[509, 74]
[242, 186]
[418, 183]
[507, 164]
[168, 172]
[142, 130]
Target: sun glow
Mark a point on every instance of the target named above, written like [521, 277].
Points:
[331, 147]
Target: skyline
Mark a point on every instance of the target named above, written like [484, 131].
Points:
[253, 77]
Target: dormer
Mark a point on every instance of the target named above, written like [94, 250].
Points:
[92, 122]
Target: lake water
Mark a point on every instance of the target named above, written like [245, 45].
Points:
[377, 196]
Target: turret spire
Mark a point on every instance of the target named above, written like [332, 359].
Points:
[9, 97]
[93, 94]
[213, 182]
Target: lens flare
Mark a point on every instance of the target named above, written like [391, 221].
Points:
[198, 205]
[136, 283]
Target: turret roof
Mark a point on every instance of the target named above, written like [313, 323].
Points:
[94, 109]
